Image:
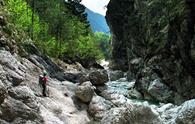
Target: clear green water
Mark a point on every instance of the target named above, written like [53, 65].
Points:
[122, 88]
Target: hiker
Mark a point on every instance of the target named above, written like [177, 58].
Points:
[43, 82]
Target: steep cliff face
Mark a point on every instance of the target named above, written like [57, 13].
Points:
[117, 16]
[154, 40]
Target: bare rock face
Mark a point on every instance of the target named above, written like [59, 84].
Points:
[21, 98]
[53, 70]
[12, 69]
[85, 91]
[99, 77]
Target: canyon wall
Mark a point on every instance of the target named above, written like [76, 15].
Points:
[154, 40]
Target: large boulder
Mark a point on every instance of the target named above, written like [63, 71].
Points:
[144, 115]
[85, 91]
[117, 116]
[115, 75]
[116, 98]
[98, 106]
[159, 91]
[99, 77]
[151, 86]
[186, 114]
[168, 112]
[133, 93]
[133, 115]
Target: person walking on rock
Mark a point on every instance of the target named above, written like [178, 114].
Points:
[43, 80]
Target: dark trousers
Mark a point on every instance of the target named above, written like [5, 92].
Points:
[44, 89]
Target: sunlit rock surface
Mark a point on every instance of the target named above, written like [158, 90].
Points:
[21, 98]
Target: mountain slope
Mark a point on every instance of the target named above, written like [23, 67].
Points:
[97, 22]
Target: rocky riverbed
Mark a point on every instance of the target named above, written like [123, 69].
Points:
[115, 105]
[90, 98]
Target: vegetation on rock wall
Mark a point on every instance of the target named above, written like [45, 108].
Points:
[157, 36]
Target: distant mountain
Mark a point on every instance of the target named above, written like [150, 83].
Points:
[97, 22]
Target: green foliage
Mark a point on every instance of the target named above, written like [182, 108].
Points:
[57, 27]
[103, 40]
[85, 47]
[21, 15]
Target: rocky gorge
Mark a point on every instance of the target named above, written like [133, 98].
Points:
[72, 103]
[93, 96]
